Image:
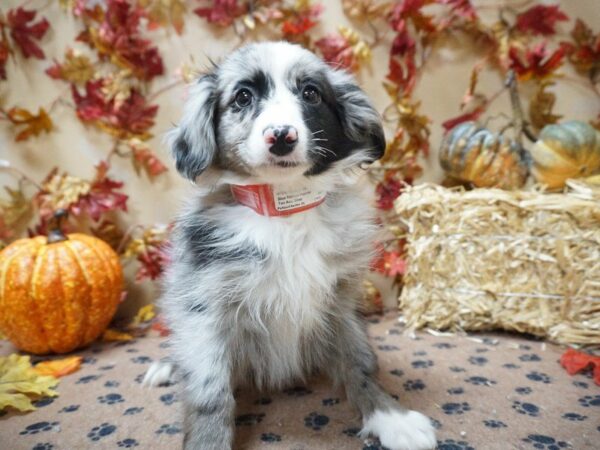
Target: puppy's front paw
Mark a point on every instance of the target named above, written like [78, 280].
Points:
[158, 373]
[400, 430]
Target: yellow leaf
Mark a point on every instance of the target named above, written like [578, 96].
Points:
[77, 68]
[59, 367]
[165, 12]
[34, 124]
[111, 335]
[18, 380]
[145, 314]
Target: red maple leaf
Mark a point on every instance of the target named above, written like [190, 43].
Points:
[411, 10]
[336, 51]
[474, 115]
[130, 118]
[104, 196]
[118, 37]
[387, 191]
[152, 263]
[146, 159]
[584, 53]
[302, 21]
[574, 362]
[222, 12]
[540, 19]
[536, 62]
[403, 73]
[25, 34]
[461, 8]
[4, 54]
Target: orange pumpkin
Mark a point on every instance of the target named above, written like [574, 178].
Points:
[58, 293]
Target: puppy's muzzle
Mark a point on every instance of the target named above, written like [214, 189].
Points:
[281, 140]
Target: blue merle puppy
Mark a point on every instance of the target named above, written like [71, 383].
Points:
[269, 254]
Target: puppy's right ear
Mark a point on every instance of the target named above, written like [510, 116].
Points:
[193, 142]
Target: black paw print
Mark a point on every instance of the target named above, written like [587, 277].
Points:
[87, 379]
[101, 431]
[69, 409]
[316, 421]
[480, 381]
[141, 360]
[574, 417]
[388, 347]
[169, 428]
[422, 363]
[270, 437]
[263, 401]
[491, 423]
[456, 391]
[128, 443]
[139, 378]
[112, 384]
[457, 369]
[530, 357]
[581, 384]
[539, 376]
[420, 353]
[482, 350]
[542, 442]
[330, 401]
[397, 372]
[435, 423]
[249, 419]
[105, 368]
[297, 391]
[444, 345]
[132, 350]
[111, 399]
[511, 366]
[455, 408]
[414, 385]
[43, 446]
[528, 409]
[589, 400]
[451, 444]
[38, 427]
[523, 390]
[168, 399]
[352, 431]
[89, 360]
[133, 410]
[43, 402]
[478, 360]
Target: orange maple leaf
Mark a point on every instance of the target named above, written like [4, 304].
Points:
[59, 367]
[34, 123]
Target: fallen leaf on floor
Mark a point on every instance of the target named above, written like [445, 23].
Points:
[111, 335]
[160, 326]
[19, 380]
[59, 367]
[574, 362]
[145, 314]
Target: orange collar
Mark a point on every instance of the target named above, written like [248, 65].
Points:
[270, 201]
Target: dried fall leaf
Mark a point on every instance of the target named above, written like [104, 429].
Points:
[59, 367]
[161, 13]
[145, 159]
[536, 62]
[366, 9]
[540, 19]
[221, 12]
[25, 33]
[17, 207]
[34, 123]
[344, 50]
[145, 314]
[76, 68]
[60, 191]
[540, 106]
[112, 335]
[19, 380]
[116, 87]
[585, 53]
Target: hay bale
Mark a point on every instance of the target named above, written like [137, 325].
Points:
[492, 259]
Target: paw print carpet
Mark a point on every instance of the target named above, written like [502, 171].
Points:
[488, 392]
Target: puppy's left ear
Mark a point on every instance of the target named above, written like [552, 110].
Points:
[193, 142]
[361, 121]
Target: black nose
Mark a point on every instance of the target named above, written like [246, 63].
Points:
[282, 140]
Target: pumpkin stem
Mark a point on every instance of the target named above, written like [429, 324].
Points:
[56, 234]
[520, 124]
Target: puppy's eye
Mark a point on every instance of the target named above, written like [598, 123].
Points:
[311, 95]
[243, 98]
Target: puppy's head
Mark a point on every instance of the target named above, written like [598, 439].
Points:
[276, 112]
